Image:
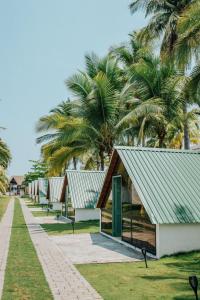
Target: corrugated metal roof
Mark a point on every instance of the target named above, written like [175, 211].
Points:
[167, 181]
[43, 184]
[84, 187]
[55, 188]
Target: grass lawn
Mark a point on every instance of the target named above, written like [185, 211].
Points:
[79, 227]
[32, 204]
[165, 279]
[44, 213]
[4, 200]
[24, 277]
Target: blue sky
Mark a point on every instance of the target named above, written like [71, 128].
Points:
[43, 43]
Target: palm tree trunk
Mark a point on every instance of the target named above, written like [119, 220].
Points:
[186, 128]
[101, 155]
[75, 163]
[161, 137]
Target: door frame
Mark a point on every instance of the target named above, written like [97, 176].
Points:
[114, 233]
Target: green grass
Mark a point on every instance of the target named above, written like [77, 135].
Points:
[24, 277]
[33, 204]
[4, 200]
[80, 227]
[44, 213]
[165, 279]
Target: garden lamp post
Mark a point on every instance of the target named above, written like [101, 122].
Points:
[144, 253]
[194, 284]
[72, 222]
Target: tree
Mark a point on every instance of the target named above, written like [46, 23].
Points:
[5, 155]
[165, 16]
[3, 181]
[158, 93]
[188, 42]
[90, 126]
[38, 170]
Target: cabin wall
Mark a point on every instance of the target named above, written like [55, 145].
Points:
[175, 238]
[85, 214]
[56, 206]
[43, 200]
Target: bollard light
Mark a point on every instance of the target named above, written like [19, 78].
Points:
[144, 253]
[193, 281]
[72, 222]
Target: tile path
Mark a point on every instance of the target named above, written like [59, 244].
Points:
[5, 232]
[64, 280]
[88, 248]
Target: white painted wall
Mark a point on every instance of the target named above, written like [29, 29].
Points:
[56, 205]
[85, 214]
[43, 200]
[174, 238]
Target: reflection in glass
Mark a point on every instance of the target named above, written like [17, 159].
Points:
[106, 216]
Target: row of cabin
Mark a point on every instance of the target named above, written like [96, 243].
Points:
[75, 194]
[148, 198]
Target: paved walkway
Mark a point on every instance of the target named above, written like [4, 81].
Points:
[5, 232]
[94, 248]
[64, 280]
[51, 220]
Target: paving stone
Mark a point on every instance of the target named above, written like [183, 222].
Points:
[94, 248]
[64, 279]
[5, 232]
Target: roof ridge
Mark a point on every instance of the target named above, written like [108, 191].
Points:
[156, 149]
[85, 171]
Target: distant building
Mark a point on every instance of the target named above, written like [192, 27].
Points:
[16, 186]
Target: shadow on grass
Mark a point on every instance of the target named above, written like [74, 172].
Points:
[84, 226]
[182, 266]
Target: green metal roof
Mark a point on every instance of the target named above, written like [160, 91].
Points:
[55, 188]
[43, 185]
[84, 187]
[167, 181]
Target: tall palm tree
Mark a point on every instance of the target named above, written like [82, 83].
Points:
[164, 19]
[158, 94]
[3, 181]
[85, 125]
[5, 155]
[164, 16]
[188, 42]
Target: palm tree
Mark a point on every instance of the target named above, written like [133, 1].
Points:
[158, 94]
[98, 92]
[164, 16]
[86, 125]
[164, 23]
[3, 181]
[5, 155]
[187, 46]
[133, 51]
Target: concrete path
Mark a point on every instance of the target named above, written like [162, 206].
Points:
[5, 232]
[94, 248]
[51, 220]
[64, 280]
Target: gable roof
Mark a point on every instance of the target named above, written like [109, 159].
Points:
[167, 182]
[43, 184]
[84, 187]
[18, 179]
[55, 189]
